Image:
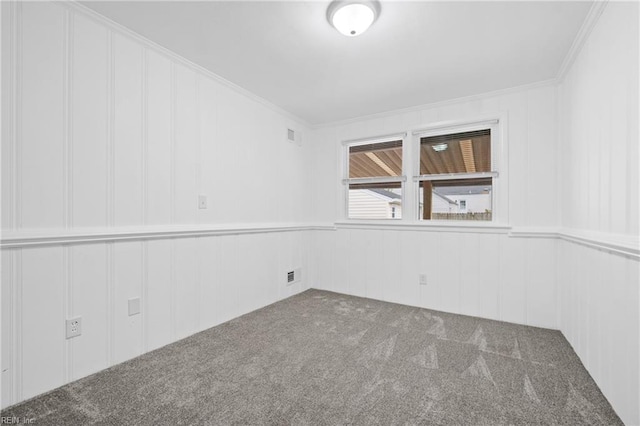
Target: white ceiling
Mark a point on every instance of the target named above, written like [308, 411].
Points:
[415, 53]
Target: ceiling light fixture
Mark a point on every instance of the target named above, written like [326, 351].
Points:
[440, 147]
[353, 17]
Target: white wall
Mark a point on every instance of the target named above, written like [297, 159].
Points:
[599, 160]
[531, 136]
[105, 134]
[494, 274]
[487, 274]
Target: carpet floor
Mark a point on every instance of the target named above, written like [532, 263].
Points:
[321, 358]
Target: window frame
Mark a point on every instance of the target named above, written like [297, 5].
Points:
[346, 180]
[496, 124]
[410, 187]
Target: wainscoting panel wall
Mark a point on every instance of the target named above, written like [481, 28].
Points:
[90, 288]
[485, 272]
[598, 139]
[110, 139]
[490, 275]
[126, 134]
[159, 153]
[41, 82]
[599, 128]
[185, 285]
[600, 318]
[89, 121]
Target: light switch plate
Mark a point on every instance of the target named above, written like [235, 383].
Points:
[423, 279]
[134, 306]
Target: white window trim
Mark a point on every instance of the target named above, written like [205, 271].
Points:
[382, 179]
[498, 122]
[346, 180]
[448, 176]
[498, 125]
[375, 139]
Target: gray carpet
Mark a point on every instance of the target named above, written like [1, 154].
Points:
[322, 358]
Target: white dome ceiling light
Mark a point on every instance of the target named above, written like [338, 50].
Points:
[353, 17]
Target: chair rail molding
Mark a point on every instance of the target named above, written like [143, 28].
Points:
[47, 237]
[624, 244]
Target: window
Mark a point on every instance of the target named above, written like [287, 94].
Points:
[456, 176]
[374, 182]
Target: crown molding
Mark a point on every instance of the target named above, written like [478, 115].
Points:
[584, 32]
[121, 29]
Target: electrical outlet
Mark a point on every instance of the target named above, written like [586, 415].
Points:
[74, 327]
[422, 279]
[202, 201]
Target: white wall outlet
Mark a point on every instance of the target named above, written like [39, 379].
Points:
[422, 279]
[202, 201]
[74, 327]
[134, 306]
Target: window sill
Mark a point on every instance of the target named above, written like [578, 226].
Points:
[432, 226]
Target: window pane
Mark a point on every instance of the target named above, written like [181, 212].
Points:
[456, 199]
[375, 201]
[468, 152]
[376, 160]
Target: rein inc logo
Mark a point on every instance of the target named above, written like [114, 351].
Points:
[13, 420]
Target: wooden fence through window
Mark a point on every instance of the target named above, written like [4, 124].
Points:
[461, 216]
